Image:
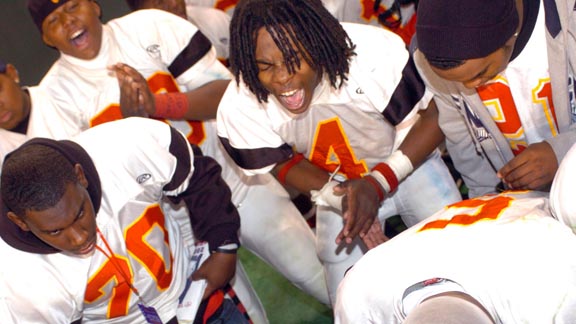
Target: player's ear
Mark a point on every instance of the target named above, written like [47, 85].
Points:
[80, 175]
[97, 8]
[47, 41]
[18, 221]
[12, 73]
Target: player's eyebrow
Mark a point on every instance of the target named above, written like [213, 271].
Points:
[478, 75]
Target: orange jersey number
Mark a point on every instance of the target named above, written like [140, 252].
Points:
[117, 268]
[332, 148]
[500, 102]
[480, 210]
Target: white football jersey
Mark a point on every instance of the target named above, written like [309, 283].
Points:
[46, 119]
[145, 239]
[170, 53]
[215, 24]
[227, 6]
[362, 12]
[9, 141]
[562, 191]
[500, 249]
[520, 98]
[87, 94]
[349, 126]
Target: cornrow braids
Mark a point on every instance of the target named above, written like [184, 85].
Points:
[302, 27]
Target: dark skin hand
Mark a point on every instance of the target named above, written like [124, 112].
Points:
[218, 270]
[305, 176]
[360, 206]
[136, 98]
[534, 168]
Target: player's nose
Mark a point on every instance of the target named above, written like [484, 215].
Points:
[77, 236]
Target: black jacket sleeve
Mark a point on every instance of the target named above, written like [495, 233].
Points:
[213, 216]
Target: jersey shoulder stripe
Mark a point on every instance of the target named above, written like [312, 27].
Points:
[198, 46]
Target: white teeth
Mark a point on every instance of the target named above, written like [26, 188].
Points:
[289, 93]
[76, 34]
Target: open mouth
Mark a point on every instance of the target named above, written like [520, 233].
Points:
[79, 38]
[293, 99]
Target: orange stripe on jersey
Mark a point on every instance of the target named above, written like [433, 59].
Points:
[482, 210]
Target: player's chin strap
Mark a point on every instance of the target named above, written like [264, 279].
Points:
[390, 173]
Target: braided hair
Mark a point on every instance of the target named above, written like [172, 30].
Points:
[315, 33]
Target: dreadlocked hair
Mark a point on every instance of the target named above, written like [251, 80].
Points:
[302, 27]
[34, 177]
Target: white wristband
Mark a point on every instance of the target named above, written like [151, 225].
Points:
[400, 164]
[392, 171]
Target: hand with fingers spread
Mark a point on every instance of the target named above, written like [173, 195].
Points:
[534, 168]
[218, 270]
[136, 99]
[360, 206]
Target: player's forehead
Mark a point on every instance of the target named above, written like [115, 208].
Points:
[63, 213]
[280, 40]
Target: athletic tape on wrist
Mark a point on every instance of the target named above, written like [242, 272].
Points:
[171, 105]
[395, 169]
[284, 171]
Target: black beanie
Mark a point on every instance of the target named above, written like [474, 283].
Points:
[464, 29]
[40, 9]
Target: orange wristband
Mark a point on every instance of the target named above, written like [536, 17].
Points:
[171, 105]
[284, 171]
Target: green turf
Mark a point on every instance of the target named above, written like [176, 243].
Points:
[284, 303]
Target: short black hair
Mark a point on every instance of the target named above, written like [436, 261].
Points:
[316, 33]
[34, 177]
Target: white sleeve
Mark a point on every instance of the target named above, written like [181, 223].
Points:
[36, 288]
[562, 192]
[182, 48]
[245, 124]
[386, 72]
[8, 142]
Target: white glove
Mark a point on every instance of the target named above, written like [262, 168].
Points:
[326, 196]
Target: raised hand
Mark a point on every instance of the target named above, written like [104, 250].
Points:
[136, 99]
